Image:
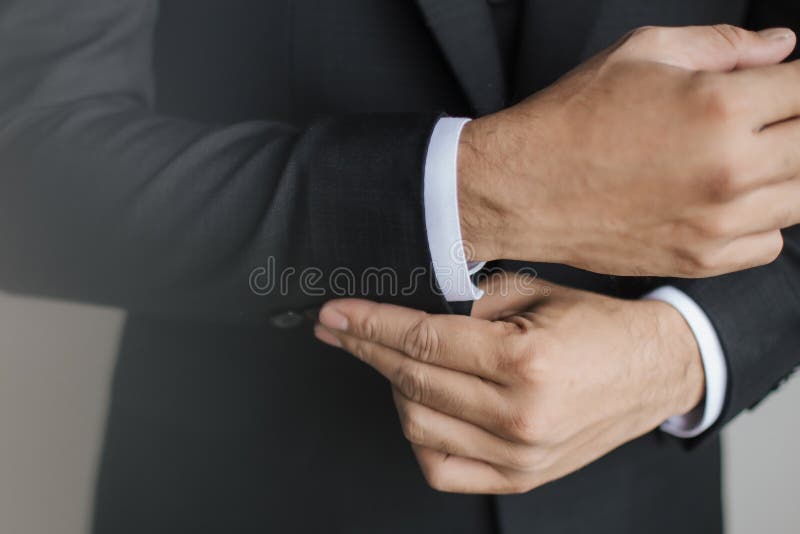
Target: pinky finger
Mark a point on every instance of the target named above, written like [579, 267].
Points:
[752, 250]
[747, 252]
[455, 474]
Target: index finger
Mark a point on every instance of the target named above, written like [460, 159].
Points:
[772, 91]
[465, 344]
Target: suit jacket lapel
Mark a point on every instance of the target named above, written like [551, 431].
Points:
[465, 33]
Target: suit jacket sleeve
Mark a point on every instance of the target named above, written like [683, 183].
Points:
[103, 200]
[756, 314]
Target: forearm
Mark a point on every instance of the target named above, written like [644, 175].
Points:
[106, 202]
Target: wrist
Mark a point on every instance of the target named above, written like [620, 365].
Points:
[482, 215]
[680, 359]
[506, 194]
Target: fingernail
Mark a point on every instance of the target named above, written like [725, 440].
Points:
[776, 34]
[326, 336]
[332, 318]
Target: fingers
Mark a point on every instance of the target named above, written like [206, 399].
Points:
[737, 48]
[772, 93]
[739, 254]
[777, 151]
[381, 323]
[461, 395]
[432, 429]
[509, 293]
[456, 474]
[754, 250]
[455, 342]
[766, 209]
[711, 48]
[455, 459]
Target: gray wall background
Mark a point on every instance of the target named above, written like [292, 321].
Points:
[55, 364]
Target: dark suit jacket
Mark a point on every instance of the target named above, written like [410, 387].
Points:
[154, 153]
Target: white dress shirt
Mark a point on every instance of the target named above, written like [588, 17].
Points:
[453, 274]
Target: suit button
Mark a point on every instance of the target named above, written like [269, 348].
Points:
[287, 320]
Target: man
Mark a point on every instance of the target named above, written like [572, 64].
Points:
[156, 155]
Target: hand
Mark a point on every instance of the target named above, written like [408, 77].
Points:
[643, 161]
[503, 404]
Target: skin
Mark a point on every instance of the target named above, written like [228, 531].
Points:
[529, 389]
[676, 153]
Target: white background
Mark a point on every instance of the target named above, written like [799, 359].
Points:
[55, 364]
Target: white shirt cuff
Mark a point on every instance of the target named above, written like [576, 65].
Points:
[706, 414]
[441, 214]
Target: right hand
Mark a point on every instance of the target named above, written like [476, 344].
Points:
[673, 153]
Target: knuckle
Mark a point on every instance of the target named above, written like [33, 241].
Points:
[413, 428]
[702, 262]
[733, 36]
[523, 426]
[535, 365]
[642, 41]
[524, 358]
[412, 382]
[683, 267]
[722, 181]
[684, 264]
[713, 97]
[774, 248]
[447, 445]
[528, 369]
[648, 33]
[434, 476]
[525, 458]
[719, 226]
[367, 326]
[422, 340]
[716, 103]
[644, 29]
[512, 358]
[517, 488]
[360, 349]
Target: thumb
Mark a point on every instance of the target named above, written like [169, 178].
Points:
[721, 47]
[510, 293]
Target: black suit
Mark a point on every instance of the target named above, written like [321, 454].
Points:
[130, 177]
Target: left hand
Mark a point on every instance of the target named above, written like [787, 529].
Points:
[514, 398]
